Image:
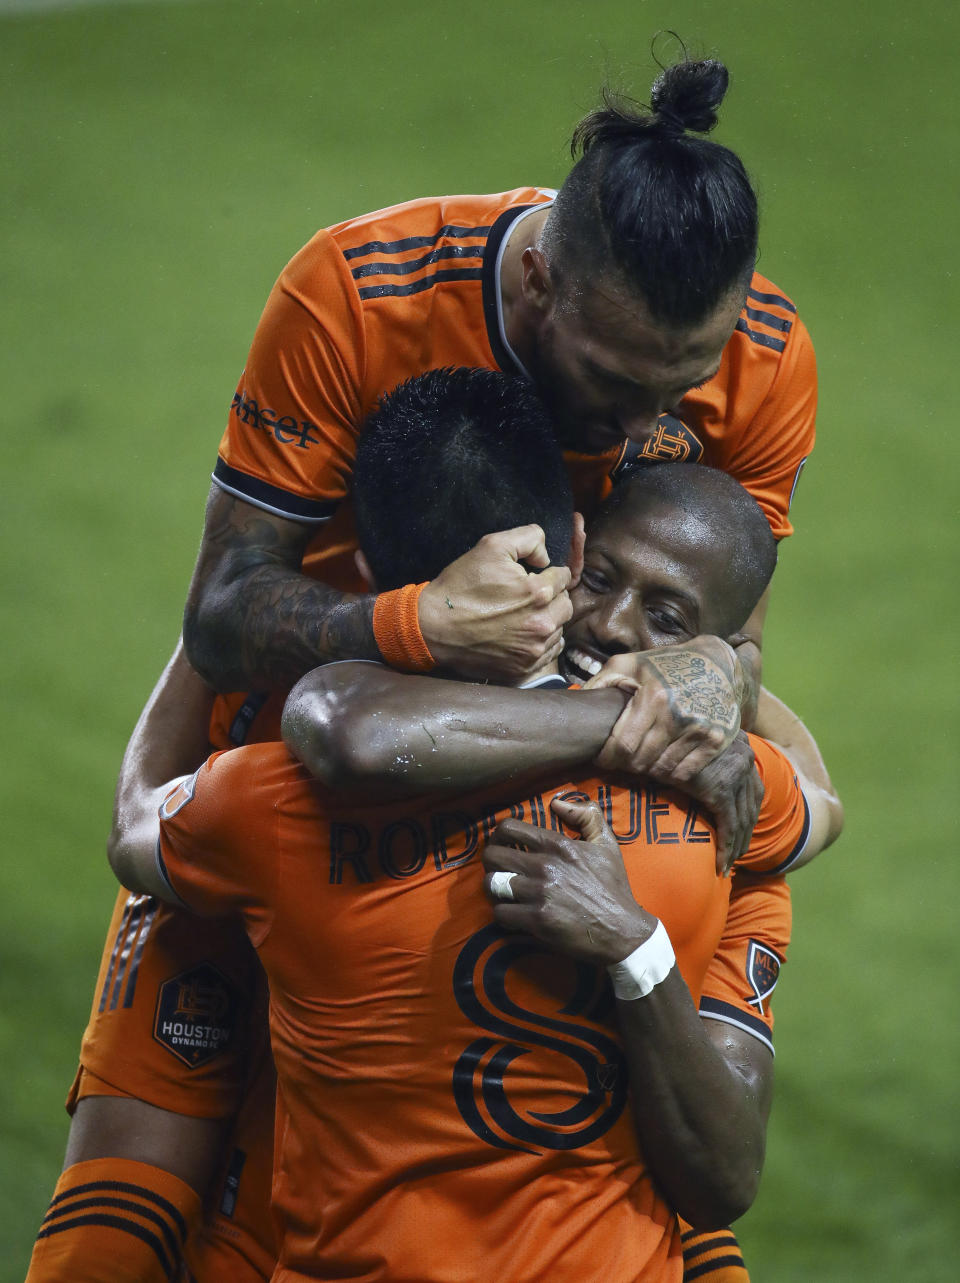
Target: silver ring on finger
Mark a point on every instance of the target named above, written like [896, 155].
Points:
[500, 885]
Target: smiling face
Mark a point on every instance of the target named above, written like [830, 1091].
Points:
[651, 577]
[606, 368]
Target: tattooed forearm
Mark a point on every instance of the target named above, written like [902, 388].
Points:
[286, 624]
[253, 620]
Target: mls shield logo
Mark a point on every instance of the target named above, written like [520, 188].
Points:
[179, 796]
[763, 972]
[196, 1014]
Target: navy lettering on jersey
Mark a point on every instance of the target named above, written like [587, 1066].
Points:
[286, 429]
[456, 838]
[482, 1076]
[655, 812]
[402, 849]
[349, 844]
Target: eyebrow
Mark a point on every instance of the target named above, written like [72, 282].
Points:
[612, 558]
[612, 375]
[616, 377]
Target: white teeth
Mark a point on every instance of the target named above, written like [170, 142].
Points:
[583, 661]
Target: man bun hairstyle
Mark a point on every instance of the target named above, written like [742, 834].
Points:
[448, 457]
[670, 215]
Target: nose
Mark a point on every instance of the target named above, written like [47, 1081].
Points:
[614, 626]
[639, 426]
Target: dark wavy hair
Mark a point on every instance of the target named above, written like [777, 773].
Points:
[448, 457]
[672, 216]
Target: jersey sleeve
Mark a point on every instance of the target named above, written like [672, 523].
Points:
[291, 433]
[217, 843]
[783, 826]
[746, 966]
[782, 432]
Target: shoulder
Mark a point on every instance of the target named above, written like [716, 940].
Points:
[769, 316]
[784, 821]
[230, 786]
[432, 216]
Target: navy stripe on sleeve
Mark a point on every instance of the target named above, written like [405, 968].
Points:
[757, 336]
[798, 846]
[450, 232]
[271, 498]
[714, 1009]
[774, 300]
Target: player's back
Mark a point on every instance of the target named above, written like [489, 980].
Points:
[453, 1098]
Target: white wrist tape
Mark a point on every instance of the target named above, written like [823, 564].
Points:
[640, 972]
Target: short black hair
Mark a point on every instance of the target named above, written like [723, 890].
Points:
[734, 522]
[448, 457]
[672, 216]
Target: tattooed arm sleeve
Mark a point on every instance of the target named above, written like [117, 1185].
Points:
[252, 618]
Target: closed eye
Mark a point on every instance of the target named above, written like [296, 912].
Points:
[594, 579]
[667, 621]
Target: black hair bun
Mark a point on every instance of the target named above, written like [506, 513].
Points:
[687, 95]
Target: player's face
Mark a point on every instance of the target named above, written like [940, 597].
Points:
[649, 579]
[607, 370]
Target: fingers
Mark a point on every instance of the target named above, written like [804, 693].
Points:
[608, 677]
[548, 588]
[501, 891]
[577, 541]
[510, 834]
[584, 817]
[727, 823]
[624, 671]
[687, 756]
[524, 543]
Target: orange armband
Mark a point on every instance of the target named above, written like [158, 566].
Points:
[396, 629]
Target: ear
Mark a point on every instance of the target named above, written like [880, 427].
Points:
[575, 556]
[363, 567]
[535, 282]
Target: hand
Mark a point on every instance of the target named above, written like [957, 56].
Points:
[751, 666]
[487, 616]
[573, 896]
[730, 788]
[683, 712]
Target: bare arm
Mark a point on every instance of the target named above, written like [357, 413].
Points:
[124, 1127]
[781, 726]
[361, 726]
[358, 725]
[701, 1094]
[254, 620]
[168, 742]
[748, 644]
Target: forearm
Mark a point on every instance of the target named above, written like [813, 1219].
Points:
[358, 725]
[748, 644]
[168, 742]
[265, 627]
[782, 727]
[751, 667]
[700, 1114]
[253, 620]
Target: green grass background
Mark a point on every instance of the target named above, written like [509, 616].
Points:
[162, 160]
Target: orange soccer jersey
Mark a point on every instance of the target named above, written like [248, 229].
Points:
[453, 1099]
[371, 302]
[376, 300]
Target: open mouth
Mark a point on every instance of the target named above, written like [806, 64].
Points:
[578, 665]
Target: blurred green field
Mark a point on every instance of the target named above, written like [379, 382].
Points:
[162, 160]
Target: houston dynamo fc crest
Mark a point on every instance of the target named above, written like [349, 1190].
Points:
[672, 441]
[196, 1014]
